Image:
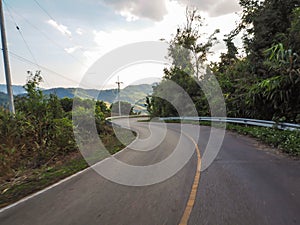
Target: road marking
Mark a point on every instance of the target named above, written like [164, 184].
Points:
[192, 198]
[54, 185]
[189, 206]
[43, 190]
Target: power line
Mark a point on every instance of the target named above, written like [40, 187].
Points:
[23, 59]
[51, 17]
[25, 42]
[47, 37]
[34, 59]
[42, 8]
[56, 21]
[19, 31]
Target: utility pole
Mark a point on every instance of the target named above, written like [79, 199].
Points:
[6, 62]
[119, 85]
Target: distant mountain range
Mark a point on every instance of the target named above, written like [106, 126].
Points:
[134, 94]
[17, 89]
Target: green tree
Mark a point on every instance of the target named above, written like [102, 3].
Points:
[264, 23]
[39, 131]
[192, 50]
[188, 53]
[66, 104]
[264, 84]
[126, 108]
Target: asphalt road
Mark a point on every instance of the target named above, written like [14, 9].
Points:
[245, 184]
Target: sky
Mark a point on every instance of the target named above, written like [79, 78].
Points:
[65, 38]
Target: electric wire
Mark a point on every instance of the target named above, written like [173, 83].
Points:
[42, 8]
[59, 46]
[34, 62]
[19, 31]
[23, 59]
[25, 42]
[56, 21]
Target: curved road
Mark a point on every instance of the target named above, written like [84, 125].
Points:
[245, 184]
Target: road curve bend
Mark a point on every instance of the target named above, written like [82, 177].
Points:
[247, 184]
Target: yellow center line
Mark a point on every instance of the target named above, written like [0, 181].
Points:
[192, 198]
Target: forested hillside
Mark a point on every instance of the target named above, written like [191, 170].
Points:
[17, 89]
[134, 94]
[3, 100]
[38, 141]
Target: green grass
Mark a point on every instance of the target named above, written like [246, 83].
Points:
[287, 141]
[28, 181]
[35, 180]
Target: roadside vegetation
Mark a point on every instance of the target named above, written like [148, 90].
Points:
[287, 141]
[37, 145]
[260, 81]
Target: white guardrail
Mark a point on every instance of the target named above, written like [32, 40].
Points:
[254, 122]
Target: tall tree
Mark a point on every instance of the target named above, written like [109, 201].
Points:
[267, 80]
[188, 53]
[189, 38]
[264, 23]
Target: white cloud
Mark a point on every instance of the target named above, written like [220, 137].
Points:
[72, 49]
[157, 9]
[108, 40]
[214, 8]
[61, 28]
[105, 41]
[225, 7]
[79, 31]
[129, 16]
[154, 9]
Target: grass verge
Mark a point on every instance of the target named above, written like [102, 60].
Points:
[285, 140]
[28, 181]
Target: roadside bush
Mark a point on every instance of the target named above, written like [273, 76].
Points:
[42, 131]
[37, 133]
[288, 141]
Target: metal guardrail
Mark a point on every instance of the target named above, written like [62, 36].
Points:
[126, 116]
[253, 122]
[108, 120]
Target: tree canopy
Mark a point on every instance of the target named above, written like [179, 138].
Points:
[264, 83]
